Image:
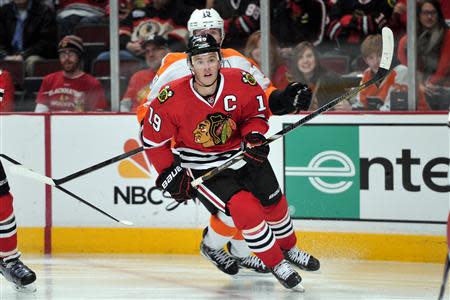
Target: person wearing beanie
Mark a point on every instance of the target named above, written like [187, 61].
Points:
[70, 89]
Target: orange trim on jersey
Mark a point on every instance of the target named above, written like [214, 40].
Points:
[221, 228]
[238, 236]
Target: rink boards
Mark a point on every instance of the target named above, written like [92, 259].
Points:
[363, 186]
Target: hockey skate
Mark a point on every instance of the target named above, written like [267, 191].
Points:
[250, 262]
[301, 259]
[18, 273]
[223, 261]
[253, 263]
[287, 276]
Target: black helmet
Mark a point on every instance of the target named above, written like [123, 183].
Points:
[203, 43]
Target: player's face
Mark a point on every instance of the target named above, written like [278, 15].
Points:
[69, 60]
[428, 16]
[153, 55]
[373, 61]
[206, 67]
[307, 62]
[215, 32]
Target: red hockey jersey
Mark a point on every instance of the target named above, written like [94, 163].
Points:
[6, 91]
[207, 133]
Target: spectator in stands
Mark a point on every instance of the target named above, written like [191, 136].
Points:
[70, 89]
[6, 91]
[164, 17]
[278, 68]
[377, 96]
[326, 85]
[295, 21]
[155, 47]
[352, 20]
[433, 57]
[73, 12]
[241, 18]
[27, 32]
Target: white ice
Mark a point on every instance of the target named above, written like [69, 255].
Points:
[192, 277]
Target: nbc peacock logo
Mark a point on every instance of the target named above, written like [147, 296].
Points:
[136, 166]
[139, 188]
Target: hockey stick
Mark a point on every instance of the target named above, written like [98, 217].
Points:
[125, 222]
[19, 169]
[447, 263]
[444, 278]
[383, 71]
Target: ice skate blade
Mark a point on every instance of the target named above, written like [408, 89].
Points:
[249, 273]
[298, 288]
[27, 289]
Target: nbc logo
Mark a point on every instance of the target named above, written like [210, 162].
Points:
[138, 168]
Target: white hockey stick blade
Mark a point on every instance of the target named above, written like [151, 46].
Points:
[25, 172]
[388, 48]
[128, 223]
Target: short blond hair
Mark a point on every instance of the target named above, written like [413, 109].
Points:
[372, 44]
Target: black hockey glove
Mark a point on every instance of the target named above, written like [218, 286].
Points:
[177, 182]
[254, 152]
[296, 96]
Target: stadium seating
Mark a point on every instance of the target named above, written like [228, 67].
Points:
[337, 63]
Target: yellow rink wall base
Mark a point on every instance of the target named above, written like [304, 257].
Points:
[364, 246]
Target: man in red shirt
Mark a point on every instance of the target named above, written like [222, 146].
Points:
[155, 48]
[6, 91]
[70, 89]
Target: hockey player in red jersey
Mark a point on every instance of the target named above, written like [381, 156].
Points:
[11, 267]
[211, 115]
[221, 230]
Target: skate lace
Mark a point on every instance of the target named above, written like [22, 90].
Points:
[283, 270]
[18, 268]
[252, 261]
[223, 258]
[299, 256]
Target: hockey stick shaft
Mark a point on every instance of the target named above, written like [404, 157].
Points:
[23, 171]
[15, 162]
[383, 71]
[92, 205]
[444, 278]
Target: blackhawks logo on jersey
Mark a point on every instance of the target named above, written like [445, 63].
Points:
[165, 94]
[216, 129]
[248, 78]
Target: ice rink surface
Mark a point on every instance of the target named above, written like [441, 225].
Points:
[192, 277]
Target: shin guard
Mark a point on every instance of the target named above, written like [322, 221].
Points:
[8, 227]
[248, 216]
[280, 222]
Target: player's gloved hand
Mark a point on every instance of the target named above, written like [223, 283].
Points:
[296, 96]
[177, 182]
[299, 95]
[254, 152]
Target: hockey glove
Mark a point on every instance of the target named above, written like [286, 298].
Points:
[177, 182]
[296, 96]
[254, 152]
[299, 95]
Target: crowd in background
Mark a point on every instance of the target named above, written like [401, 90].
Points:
[54, 54]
